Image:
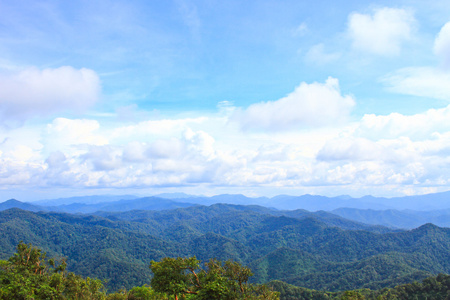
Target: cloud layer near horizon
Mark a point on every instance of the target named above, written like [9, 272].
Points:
[395, 152]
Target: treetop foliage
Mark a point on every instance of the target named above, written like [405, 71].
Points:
[28, 274]
[185, 277]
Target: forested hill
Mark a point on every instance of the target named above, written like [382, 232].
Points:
[392, 218]
[304, 250]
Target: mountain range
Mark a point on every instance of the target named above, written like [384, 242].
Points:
[316, 250]
[403, 212]
[427, 202]
[287, 238]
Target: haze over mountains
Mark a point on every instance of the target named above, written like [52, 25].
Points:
[433, 201]
[399, 212]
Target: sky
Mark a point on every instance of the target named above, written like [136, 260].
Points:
[211, 97]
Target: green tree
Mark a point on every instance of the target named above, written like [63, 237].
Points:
[184, 277]
[175, 276]
[144, 293]
[29, 275]
[352, 295]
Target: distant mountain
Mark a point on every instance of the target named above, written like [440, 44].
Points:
[175, 196]
[394, 218]
[13, 203]
[426, 202]
[227, 199]
[436, 201]
[93, 199]
[316, 202]
[147, 203]
[286, 202]
[313, 203]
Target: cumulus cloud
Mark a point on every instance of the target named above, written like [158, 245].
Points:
[103, 158]
[442, 45]
[166, 148]
[191, 158]
[34, 92]
[147, 130]
[134, 152]
[393, 151]
[393, 126]
[381, 33]
[419, 81]
[349, 149]
[63, 134]
[315, 104]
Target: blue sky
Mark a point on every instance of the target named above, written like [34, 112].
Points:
[209, 97]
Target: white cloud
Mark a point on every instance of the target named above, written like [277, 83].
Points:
[419, 81]
[407, 152]
[103, 158]
[166, 148]
[67, 134]
[34, 92]
[200, 143]
[393, 126]
[315, 104]
[134, 152]
[377, 154]
[442, 45]
[317, 54]
[149, 130]
[431, 82]
[382, 33]
[57, 160]
[352, 149]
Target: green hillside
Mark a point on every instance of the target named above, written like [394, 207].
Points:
[31, 274]
[303, 251]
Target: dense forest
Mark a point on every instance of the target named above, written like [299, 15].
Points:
[29, 274]
[312, 250]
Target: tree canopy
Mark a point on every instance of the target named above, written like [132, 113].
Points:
[28, 274]
[187, 278]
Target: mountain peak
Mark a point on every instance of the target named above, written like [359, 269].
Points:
[12, 200]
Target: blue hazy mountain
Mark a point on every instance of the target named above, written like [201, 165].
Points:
[175, 196]
[428, 202]
[308, 202]
[146, 203]
[396, 218]
[13, 203]
[398, 212]
[92, 199]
